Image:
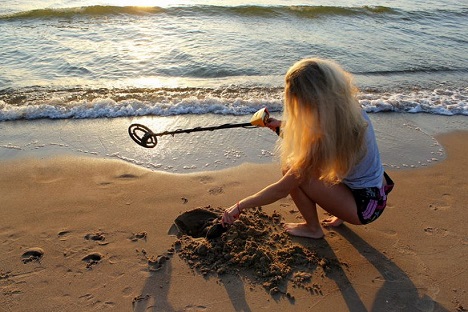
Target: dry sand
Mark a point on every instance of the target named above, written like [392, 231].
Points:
[86, 234]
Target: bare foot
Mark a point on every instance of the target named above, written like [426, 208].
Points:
[303, 230]
[332, 221]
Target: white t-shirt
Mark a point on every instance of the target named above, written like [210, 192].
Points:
[369, 171]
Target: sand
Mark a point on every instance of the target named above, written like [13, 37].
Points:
[92, 234]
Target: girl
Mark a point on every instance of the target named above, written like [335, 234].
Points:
[329, 154]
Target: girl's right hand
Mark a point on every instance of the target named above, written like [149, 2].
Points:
[230, 215]
[273, 124]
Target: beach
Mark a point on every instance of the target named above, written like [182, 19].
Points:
[88, 216]
[81, 233]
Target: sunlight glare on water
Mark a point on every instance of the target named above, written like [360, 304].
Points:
[144, 3]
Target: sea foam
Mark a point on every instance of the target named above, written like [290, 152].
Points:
[439, 101]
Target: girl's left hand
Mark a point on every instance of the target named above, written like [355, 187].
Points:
[230, 215]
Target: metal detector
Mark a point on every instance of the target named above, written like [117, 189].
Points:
[143, 135]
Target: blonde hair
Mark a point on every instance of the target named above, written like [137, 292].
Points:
[323, 128]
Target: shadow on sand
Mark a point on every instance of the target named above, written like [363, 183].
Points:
[154, 295]
[397, 292]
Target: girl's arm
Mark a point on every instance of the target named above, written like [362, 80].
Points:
[268, 195]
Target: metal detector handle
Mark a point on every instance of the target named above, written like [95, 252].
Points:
[260, 118]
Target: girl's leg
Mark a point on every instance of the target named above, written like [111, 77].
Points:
[332, 221]
[311, 227]
[335, 199]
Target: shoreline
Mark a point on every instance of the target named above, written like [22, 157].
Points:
[405, 141]
[102, 226]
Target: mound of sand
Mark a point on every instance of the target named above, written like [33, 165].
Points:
[256, 247]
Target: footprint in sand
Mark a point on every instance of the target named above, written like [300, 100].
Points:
[139, 298]
[216, 190]
[205, 179]
[62, 235]
[436, 231]
[98, 237]
[156, 263]
[137, 236]
[195, 308]
[127, 291]
[92, 259]
[444, 203]
[32, 254]
[127, 176]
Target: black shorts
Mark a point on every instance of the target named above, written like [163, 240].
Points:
[371, 201]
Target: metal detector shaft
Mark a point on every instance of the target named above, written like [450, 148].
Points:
[197, 129]
[143, 135]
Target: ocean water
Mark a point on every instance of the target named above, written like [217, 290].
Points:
[173, 64]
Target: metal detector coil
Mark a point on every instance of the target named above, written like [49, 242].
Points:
[143, 135]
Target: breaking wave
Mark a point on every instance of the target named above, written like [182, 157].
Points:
[88, 104]
[301, 11]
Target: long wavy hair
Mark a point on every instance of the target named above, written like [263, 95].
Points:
[323, 127]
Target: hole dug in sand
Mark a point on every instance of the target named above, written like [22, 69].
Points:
[200, 222]
[256, 247]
